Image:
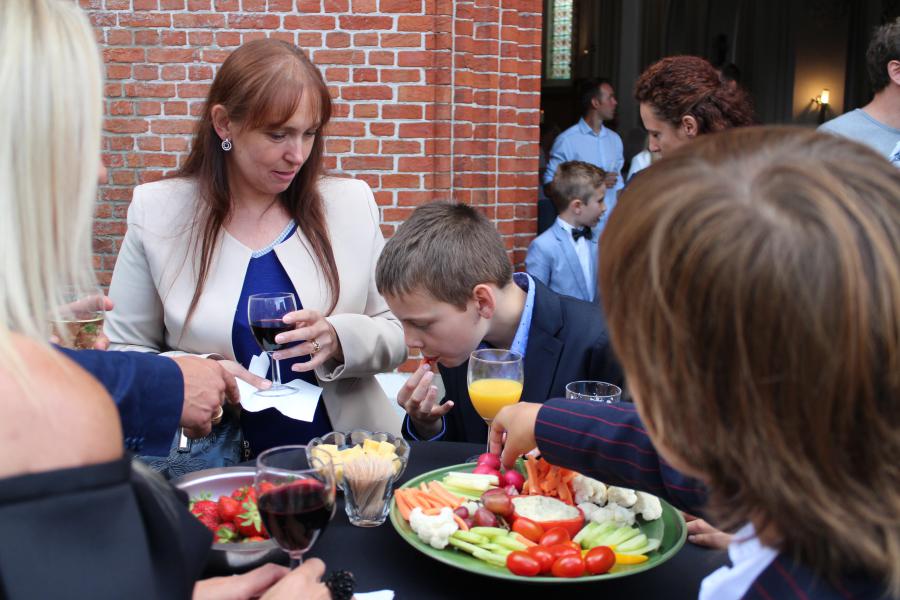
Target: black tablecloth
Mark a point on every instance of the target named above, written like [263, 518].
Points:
[381, 559]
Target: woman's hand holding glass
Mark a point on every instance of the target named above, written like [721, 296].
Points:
[319, 340]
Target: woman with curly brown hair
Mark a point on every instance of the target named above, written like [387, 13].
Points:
[682, 97]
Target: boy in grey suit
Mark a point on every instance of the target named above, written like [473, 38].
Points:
[565, 256]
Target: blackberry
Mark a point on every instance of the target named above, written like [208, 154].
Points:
[341, 584]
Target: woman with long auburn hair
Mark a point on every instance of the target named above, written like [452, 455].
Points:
[251, 212]
[682, 97]
[752, 288]
[88, 523]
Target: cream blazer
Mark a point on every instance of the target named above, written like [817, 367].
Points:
[156, 274]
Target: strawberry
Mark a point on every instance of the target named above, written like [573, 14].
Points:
[249, 522]
[210, 521]
[226, 533]
[229, 508]
[245, 492]
[265, 486]
[205, 507]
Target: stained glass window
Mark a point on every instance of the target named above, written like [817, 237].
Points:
[560, 39]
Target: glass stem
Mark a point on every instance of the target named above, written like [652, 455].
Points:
[296, 559]
[276, 372]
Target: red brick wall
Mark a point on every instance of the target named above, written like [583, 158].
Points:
[434, 98]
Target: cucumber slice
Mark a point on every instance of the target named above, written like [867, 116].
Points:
[650, 546]
[465, 546]
[638, 541]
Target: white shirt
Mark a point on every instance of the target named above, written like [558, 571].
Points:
[582, 251]
[749, 558]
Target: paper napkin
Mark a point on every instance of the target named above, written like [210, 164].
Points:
[300, 405]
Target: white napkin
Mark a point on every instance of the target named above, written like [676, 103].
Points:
[301, 405]
[381, 595]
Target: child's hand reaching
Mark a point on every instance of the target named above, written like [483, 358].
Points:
[419, 399]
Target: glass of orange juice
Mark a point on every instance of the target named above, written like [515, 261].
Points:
[495, 378]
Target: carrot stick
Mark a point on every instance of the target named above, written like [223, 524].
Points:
[460, 522]
[532, 472]
[438, 490]
[423, 487]
[432, 511]
[521, 538]
[402, 505]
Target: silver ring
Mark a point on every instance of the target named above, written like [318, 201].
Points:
[316, 346]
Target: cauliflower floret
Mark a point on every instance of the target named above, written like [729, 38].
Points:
[613, 512]
[648, 506]
[433, 530]
[588, 509]
[588, 490]
[621, 496]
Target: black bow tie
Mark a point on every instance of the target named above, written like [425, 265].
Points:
[584, 232]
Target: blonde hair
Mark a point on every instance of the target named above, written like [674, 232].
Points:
[752, 287]
[50, 120]
[574, 179]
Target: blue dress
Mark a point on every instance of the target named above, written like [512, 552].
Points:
[268, 428]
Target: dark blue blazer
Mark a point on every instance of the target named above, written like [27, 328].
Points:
[148, 390]
[609, 442]
[567, 342]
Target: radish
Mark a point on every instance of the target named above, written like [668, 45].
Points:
[513, 478]
[491, 460]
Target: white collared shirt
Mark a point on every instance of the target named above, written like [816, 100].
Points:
[749, 558]
[582, 251]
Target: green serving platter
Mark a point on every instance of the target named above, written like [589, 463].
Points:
[670, 528]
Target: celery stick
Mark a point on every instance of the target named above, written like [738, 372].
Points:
[490, 557]
[509, 542]
[470, 548]
[586, 532]
[601, 531]
[622, 534]
[497, 549]
[472, 538]
[490, 532]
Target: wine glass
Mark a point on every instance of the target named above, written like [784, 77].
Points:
[80, 318]
[495, 378]
[296, 497]
[265, 312]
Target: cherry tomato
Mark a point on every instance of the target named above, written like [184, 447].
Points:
[568, 566]
[554, 536]
[560, 550]
[528, 529]
[522, 563]
[543, 556]
[599, 560]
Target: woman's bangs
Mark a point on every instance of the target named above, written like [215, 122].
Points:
[280, 96]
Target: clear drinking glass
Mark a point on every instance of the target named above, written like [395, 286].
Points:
[596, 391]
[495, 378]
[368, 485]
[265, 312]
[80, 317]
[296, 497]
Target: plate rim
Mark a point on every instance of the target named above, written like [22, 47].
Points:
[438, 555]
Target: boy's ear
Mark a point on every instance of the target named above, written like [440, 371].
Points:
[485, 300]
[576, 204]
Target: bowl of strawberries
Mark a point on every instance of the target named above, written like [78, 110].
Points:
[224, 500]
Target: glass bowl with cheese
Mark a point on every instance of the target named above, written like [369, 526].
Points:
[346, 446]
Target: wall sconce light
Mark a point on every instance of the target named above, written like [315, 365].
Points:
[822, 100]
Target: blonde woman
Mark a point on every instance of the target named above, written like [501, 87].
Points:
[84, 524]
[251, 212]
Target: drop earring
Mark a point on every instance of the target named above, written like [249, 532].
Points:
[226, 144]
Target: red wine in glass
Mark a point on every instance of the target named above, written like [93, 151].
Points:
[265, 331]
[265, 314]
[296, 514]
